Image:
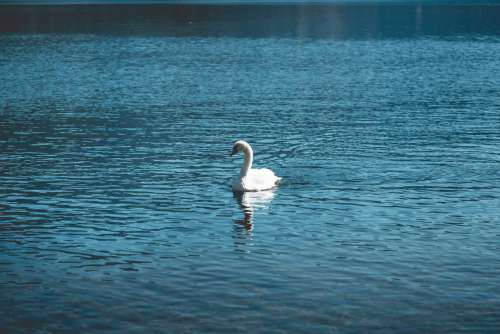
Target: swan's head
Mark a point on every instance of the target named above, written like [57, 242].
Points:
[239, 146]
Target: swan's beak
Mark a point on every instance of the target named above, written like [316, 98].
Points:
[233, 152]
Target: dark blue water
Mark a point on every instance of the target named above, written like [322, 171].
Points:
[116, 211]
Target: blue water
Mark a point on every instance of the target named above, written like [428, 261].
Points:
[116, 209]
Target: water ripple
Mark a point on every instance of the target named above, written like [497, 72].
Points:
[115, 204]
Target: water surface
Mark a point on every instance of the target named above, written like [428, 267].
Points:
[115, 133]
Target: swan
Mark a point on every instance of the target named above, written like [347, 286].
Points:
[252, 179]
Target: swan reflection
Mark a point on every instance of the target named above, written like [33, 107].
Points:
[250, 202]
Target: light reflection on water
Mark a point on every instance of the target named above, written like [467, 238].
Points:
[116, 208]
[249, 202]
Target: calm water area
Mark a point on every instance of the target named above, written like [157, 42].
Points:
[116, 212]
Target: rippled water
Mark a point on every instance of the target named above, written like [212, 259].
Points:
[116, 208]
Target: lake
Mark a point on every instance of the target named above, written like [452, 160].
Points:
[116, 211]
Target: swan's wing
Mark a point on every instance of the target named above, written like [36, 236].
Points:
[264, 173]
[261, 179]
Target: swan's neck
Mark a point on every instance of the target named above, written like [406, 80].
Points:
[247, 162]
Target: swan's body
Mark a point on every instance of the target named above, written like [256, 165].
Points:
[252, 179]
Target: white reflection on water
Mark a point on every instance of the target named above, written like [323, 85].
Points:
[249, 203]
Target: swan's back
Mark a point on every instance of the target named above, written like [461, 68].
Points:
[257, 180]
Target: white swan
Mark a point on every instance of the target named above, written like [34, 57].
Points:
[252, 179]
